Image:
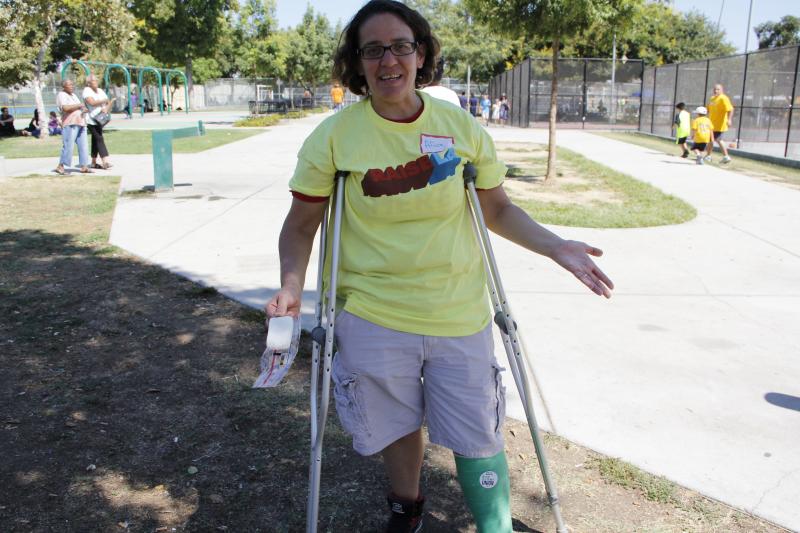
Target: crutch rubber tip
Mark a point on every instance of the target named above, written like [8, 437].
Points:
[318, 335]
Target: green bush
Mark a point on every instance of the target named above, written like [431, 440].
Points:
[258, 121]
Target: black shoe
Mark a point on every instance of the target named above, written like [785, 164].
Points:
[406, 517]
[685, 155]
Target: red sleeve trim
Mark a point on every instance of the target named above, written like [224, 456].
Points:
[306, 198]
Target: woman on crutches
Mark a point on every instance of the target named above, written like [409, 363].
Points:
[411, 282]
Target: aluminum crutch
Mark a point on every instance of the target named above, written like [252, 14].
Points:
[322, 341]
[512, 341]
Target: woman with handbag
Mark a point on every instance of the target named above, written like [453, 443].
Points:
[99, 106]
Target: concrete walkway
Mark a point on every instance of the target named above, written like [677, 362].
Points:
[691, 371]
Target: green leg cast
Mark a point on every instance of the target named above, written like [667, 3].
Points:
[487, 490]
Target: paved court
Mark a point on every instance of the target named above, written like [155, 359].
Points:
[690, 371]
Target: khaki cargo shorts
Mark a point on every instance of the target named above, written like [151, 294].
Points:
[387, 383]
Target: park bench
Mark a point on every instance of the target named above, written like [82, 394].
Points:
[278, 105]
[162, 153]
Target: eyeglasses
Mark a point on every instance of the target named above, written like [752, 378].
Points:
[376, 51]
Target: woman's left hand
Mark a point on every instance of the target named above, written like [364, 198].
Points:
[574, 256]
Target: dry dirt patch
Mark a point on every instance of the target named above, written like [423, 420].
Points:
[127, 407]
[525, 180]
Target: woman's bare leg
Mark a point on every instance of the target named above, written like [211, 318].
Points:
[403, 460]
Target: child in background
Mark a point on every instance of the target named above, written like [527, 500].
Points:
[702, 128]
[496, 111]
[486, 109]
[682, 128]
[54, 124]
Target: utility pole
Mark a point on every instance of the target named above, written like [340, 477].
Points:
[613, 80]
[747, 35]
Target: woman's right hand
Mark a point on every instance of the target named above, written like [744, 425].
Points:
[284, 302]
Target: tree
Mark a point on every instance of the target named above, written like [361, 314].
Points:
[15, 56]
[178, 31]
[263, 48]
[309, 58]
[782, 33]
[657, 34]
[38, 24]
[464, 42]
[553, 20]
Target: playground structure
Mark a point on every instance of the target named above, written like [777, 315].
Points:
[167, 74]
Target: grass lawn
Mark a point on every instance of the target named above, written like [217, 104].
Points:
[584, 193]
[123, 142]
[757, 169]
[127, 406]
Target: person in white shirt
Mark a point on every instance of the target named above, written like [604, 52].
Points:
[97, 102]
[72, 110]
[438, 91]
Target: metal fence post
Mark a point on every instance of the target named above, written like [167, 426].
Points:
[741, 105]
[653, 107]
[585, 94]
[641, 96]
[675, 94]
[791, 104]
[528, 89]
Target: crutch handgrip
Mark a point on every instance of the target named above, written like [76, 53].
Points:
[500, 320]
[470, 173]
[318, 335]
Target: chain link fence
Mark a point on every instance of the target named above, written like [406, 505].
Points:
[762, 86]
[240, 92]
[589, 94]
[220, 93]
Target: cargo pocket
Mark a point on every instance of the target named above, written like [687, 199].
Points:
[500, 396]
[348, 404]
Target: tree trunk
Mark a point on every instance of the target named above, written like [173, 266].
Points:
[551, 140]
[189, 81]
[38, 67]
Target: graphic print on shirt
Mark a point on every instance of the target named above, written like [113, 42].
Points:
[416, 174]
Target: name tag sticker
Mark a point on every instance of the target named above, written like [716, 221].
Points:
[431, 144]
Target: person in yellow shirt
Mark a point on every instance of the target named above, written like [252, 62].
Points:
[720, 111]
[703, 129]
[412, 284]
[682, 128]
[337, 97]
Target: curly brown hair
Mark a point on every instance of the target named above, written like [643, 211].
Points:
[346, 61]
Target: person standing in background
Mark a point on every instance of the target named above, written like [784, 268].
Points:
[74, 132]
[486, 109]
[505, 109]
[435, 89]
[720, 111]
[97, 102]
[682, 128]
[703, 131]
[337, 97]
[473, 106]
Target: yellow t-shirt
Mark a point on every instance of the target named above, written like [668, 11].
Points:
[409, 259]
[718, 109]
[702, 129]
[337, 95]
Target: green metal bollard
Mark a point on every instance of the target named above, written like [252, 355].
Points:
[162, 160]
[162, 153]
